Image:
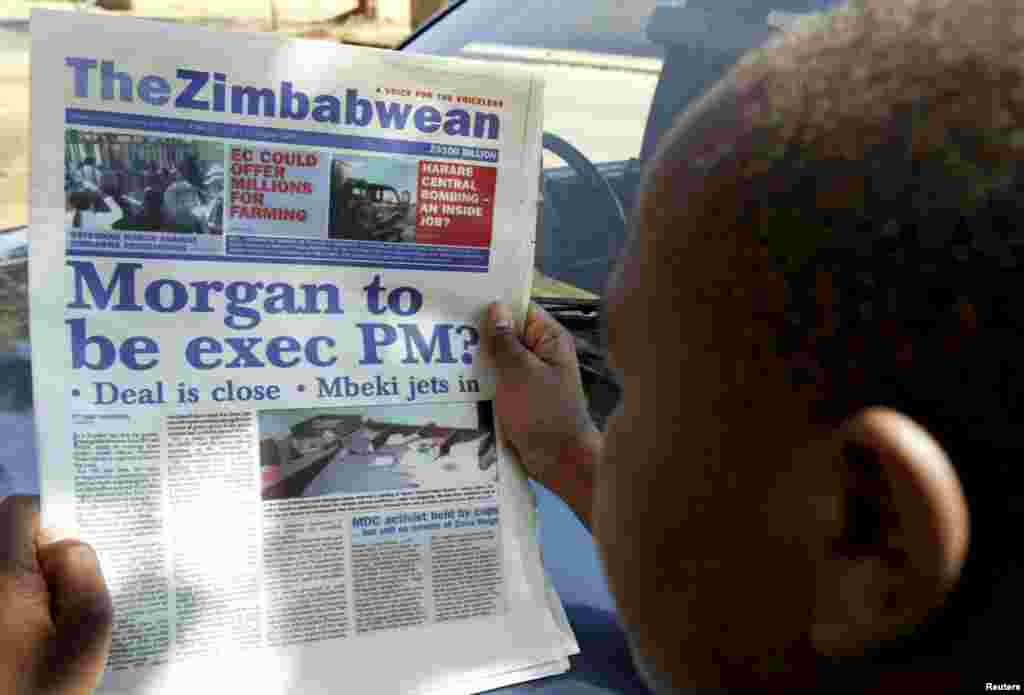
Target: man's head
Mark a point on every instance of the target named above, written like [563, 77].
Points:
[816, 326]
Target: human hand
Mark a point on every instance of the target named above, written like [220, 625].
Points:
[541, 405]
[56, 616]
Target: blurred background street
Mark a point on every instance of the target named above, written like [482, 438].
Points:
[380, 23]
[13, 123]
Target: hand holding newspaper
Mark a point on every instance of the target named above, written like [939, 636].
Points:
[258, 273]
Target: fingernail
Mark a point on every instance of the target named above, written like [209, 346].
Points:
[53, 534]
[502, 320]
[85, 558]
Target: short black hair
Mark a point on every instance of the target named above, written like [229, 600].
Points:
[883, 176]
[914, 299]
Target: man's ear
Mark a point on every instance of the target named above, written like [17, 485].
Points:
[904, 537]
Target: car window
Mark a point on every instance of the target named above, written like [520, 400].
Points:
[600, 72]
[601, 61]
[585, 51]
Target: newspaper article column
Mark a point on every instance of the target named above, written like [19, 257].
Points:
[214, 500]
[119, 505]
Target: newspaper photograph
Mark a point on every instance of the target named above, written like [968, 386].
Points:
[309, 453]
[257, 277]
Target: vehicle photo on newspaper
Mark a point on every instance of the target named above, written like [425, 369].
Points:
[372, 199]
[425, 202]
[334, 451]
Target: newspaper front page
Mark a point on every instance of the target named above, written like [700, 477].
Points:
[258, 273]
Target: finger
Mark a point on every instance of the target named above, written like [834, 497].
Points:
[19, 521]
[547, 338]
[508, 350]
[82, 613]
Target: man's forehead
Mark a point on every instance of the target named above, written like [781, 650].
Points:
[699, 157]
[730, 155]
[709, 129]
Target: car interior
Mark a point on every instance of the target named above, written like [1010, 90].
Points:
[587, 204]
[679, 48]
[691, 65]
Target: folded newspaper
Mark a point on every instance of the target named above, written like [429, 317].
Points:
[258, 273]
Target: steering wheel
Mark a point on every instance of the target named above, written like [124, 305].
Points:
[606, 202]
[577, 256]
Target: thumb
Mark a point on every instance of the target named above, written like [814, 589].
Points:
[82, 614]
[508, 350]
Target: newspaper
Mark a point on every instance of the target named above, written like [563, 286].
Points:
[258, 273]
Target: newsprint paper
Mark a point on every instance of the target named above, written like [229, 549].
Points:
[259, 269]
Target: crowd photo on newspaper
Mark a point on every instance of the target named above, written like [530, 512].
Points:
[117, 181]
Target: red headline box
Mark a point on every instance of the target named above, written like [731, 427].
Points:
[455, 204]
